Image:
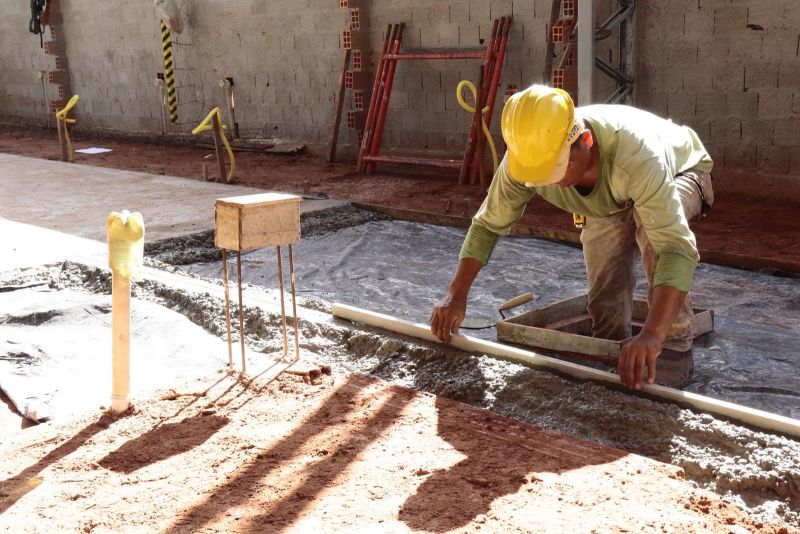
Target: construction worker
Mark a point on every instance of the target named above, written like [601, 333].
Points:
[638, 179]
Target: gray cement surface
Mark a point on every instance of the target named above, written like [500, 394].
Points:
[76, 199]
[403, 269]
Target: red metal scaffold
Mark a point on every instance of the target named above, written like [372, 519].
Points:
[369, 154]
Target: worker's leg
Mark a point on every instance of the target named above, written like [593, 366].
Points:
[609, 250]
[690, 185]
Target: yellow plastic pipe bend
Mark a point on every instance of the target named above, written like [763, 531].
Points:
[459, 90]
[216, 114]
[62, 113]
[61, 116]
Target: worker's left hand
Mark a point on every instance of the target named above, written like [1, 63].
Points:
[641, 351]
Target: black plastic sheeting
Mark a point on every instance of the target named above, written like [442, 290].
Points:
[403, 269]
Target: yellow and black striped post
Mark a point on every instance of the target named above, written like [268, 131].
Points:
[169, 73]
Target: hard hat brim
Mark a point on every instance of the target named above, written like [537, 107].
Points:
[547, 173]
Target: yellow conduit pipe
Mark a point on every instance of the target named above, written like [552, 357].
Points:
[61, 117]
[204, 126]
[125, 256]
[459, 95]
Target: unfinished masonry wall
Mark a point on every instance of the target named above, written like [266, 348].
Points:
[728, 68]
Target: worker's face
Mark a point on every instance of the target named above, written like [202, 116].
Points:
[580, 155]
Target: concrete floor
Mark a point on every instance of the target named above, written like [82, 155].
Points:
[50, 210]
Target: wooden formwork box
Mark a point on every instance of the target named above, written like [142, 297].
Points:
[256, 221]
[564, 327]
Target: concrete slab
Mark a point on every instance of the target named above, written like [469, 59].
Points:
[76, 199]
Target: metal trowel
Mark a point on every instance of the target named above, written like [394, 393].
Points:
[480, 324]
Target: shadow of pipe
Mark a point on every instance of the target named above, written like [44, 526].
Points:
[14, 488]
[316, 476]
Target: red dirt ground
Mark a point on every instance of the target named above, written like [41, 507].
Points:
[740, 231]
[349, 454]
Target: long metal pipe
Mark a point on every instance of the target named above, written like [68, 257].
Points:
[744, 414]
[495, 80]
[391, 65]
[469, 151]
[437, 55]
[366, 142]
[411, 160]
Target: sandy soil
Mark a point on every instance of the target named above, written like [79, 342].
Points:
[348, 454]
[734, 234]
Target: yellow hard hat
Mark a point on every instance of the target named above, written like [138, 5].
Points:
[538, 126]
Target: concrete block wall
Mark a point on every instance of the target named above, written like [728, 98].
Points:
[23, 97]
[731, 70]
[728, 68]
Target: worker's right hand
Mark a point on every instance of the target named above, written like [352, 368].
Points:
[447, 316]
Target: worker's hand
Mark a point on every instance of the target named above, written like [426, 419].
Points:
[447, 316]
[641, 351]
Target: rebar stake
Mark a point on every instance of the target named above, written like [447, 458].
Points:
[241, 307]
[283, 308]
[294, 305]
[227, 308]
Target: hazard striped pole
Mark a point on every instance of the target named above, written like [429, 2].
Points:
[169, 73]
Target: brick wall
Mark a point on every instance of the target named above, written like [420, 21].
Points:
[728, 68]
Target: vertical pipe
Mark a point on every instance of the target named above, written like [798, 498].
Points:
[479, 113]
[283, 308]
[169, 72]
[497, 66]
[218, 147]
[227, 306]
[241, 306]
[377, 86]
[555, 11]
[384, 103]
[120, 341]
[294, 306]
[337, 113]
[229, 99]
[470, 149]
[163, 111]
[61, 126]
[585, 51]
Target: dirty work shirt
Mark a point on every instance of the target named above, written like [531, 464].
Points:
[640, 153]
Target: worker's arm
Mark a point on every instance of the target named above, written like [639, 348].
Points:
[646, 346]
[658, 205]
[448, 314]
[503, 206]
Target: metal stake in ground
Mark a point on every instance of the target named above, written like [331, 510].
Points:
[294, 306]
[227, 307]
[256, 221]
[283, 307]
[241, 306]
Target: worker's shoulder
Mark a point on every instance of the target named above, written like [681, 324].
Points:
[621, 116]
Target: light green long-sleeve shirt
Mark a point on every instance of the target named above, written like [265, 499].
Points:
[640, 154]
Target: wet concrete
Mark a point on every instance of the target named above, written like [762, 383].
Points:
[402, 269]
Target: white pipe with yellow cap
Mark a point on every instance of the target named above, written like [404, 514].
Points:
[125, 255]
